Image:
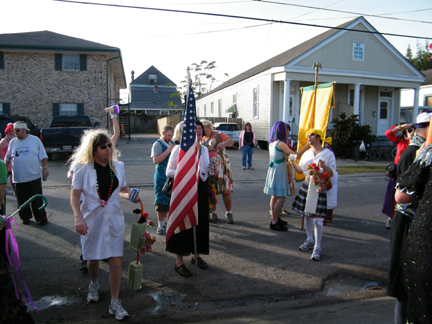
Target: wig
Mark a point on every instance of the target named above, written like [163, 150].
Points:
[90, 141]
[278, 132]
[178, 132]
[207, 123]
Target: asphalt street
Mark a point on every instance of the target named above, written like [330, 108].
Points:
[255, 275]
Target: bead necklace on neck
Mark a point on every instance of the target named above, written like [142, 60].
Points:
[208, 139]
[103, 203]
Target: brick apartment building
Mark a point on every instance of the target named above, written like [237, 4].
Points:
[44, 74]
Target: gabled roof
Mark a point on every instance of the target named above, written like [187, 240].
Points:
[47, 41]
[292, 54]
[143, 79]
[146, 98]
[428, 74]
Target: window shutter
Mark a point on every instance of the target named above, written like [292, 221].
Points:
[1, 60]
[83, 62]
[6, 108]
[80, 109]
[58, 62]
[55, 109]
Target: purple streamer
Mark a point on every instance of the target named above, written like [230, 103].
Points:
[16, 265]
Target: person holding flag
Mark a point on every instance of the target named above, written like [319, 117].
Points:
[188, 223]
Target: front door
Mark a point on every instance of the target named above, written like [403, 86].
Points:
[384, 116]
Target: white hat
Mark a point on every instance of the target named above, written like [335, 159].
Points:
[423, 120]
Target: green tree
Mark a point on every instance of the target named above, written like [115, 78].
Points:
[421, 60]
[202, 77]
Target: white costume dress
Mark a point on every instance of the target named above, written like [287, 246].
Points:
[106, 225]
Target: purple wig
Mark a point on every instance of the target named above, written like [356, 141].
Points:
[278, 132]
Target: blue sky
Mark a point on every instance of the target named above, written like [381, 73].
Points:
[172, 41]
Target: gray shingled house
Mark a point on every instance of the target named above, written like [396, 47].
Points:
[44, 74]
[150, 93]
[369, 74]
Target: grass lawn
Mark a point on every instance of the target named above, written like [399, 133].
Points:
[360, 169]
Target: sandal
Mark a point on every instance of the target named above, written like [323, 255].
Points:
[183, 271]
[201, 263]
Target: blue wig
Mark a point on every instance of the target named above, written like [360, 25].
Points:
[278, 132]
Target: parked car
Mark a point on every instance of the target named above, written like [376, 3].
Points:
[230, 129]
[64, 133]
[5, 119]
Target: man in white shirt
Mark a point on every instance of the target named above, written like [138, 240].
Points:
[25, 152]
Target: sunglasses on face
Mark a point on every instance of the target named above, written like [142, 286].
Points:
[310, 135]
[17, 130]
[104, 146]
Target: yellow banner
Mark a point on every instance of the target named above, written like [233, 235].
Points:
[314, 115]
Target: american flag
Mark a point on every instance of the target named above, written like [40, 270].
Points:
[183, 213]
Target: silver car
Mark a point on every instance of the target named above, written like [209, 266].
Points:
[230, 129]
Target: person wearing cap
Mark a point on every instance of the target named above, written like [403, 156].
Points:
[314, 223]
[4, 144]
[399, 136]
[25, 153]
[401, 222]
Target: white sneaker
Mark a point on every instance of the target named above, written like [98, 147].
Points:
[161, 230]
[230, 218]
[316, 254]
[117, 310]
[93, 294]
[306, 246]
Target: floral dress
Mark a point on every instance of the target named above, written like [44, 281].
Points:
[225, 180]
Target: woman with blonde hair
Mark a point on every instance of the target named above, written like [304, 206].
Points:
[217, 143]
[100, 177]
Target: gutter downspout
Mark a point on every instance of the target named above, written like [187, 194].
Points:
[107, 87]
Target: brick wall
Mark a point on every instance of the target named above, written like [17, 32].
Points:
[31, 85]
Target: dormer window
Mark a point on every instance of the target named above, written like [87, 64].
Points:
[358, 51]
[153, 79]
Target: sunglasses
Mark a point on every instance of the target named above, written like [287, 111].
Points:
[17, 130]
[104, 146]
[310, 135]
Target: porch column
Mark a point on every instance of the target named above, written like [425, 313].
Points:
[416, 104]
[357, 99]
[286, 100]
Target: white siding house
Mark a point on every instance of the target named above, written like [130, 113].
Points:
[423, 100]
[369, 74]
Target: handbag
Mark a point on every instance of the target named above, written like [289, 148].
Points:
[167, 188]
[391, 170]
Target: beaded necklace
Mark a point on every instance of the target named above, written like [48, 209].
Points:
[206, 143]
[103, 203]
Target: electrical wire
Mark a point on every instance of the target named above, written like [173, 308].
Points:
[238, 17]
[208, 32]
[350, 12]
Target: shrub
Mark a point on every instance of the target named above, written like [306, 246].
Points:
[346, 131]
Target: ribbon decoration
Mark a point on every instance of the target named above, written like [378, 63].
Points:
[16, 265]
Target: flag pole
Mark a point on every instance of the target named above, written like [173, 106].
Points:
[316, 66]
[189, 80]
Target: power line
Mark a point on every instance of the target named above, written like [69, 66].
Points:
[208, 32]
[350, 12]
[238, 17]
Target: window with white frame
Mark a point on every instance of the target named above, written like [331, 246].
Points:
[153, 78]
[358, 51]
[68, 109]
[255, 102]
[220, 108]
[205, 110]
[211, 107]
[235, 98]
[71, 63]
